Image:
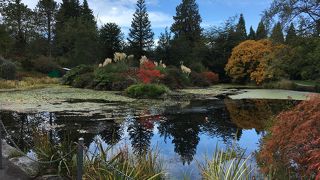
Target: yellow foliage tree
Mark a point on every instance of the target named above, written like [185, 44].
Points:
[252, 60]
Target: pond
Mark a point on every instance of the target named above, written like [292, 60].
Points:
[183, 132]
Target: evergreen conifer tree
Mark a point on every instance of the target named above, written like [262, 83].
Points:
[187, 34]
[140, 35]
[187, 22]
[241, 29]
[277, 34]
[291, 35]
[46, 12]
[111, 39]
[252, 34]
[261, 32]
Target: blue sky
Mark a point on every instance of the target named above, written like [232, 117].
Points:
[213, 12]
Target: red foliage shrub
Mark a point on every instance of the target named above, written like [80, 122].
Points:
[211, 77]
[295, 141]
[148, 73]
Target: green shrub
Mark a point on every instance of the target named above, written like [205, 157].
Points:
[75, 72]
[197, 67]
[45, 65]
[83, 80]
[174, 78]
[146, 90]
[7, 69]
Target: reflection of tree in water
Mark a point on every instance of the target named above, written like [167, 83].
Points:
[218, 124]
[21, 127]
[184, 130]
[112, 134]
[140, 132]
[254, 113]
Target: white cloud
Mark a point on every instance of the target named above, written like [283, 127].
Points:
[120, 12]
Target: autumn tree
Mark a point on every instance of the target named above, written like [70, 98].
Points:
[140, 35]
[251, 60]
[293, 143]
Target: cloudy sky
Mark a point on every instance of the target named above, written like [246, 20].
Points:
[213, 12]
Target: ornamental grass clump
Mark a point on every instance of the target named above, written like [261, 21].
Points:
[226, 165]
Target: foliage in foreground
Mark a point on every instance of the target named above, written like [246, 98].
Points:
[103, 163]
[293, 143]
[226, 165]
[146, 90]
[123, 164]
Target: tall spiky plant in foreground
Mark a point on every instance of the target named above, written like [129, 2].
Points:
[226, 165]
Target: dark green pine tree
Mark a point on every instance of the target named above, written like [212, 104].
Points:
[277, 34]
[261, 31]
[18, 18]
[46, 12]
[110, 39]
[291, 35]
[162, 50]
[252, 34]
[187, 32]
[187, 22]
[86, 12]
[140, 35]
[241, 31]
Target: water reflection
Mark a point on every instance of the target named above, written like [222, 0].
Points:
[183, 127]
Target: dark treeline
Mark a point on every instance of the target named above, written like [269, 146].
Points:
[67, 34]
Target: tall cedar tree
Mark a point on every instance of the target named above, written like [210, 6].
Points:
[252, 34]
[68, 12]
[187, 34]
[140, 35]
[291, 35]
[46, 12]
[241, 31]
[261, 31]
[111, 39]
[163, 48]
[277, 34]
[18, 18]
[187, 22]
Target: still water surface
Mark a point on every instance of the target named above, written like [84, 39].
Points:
[183, 134]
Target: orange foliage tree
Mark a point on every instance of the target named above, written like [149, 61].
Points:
[252, 59]
[294, 141]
